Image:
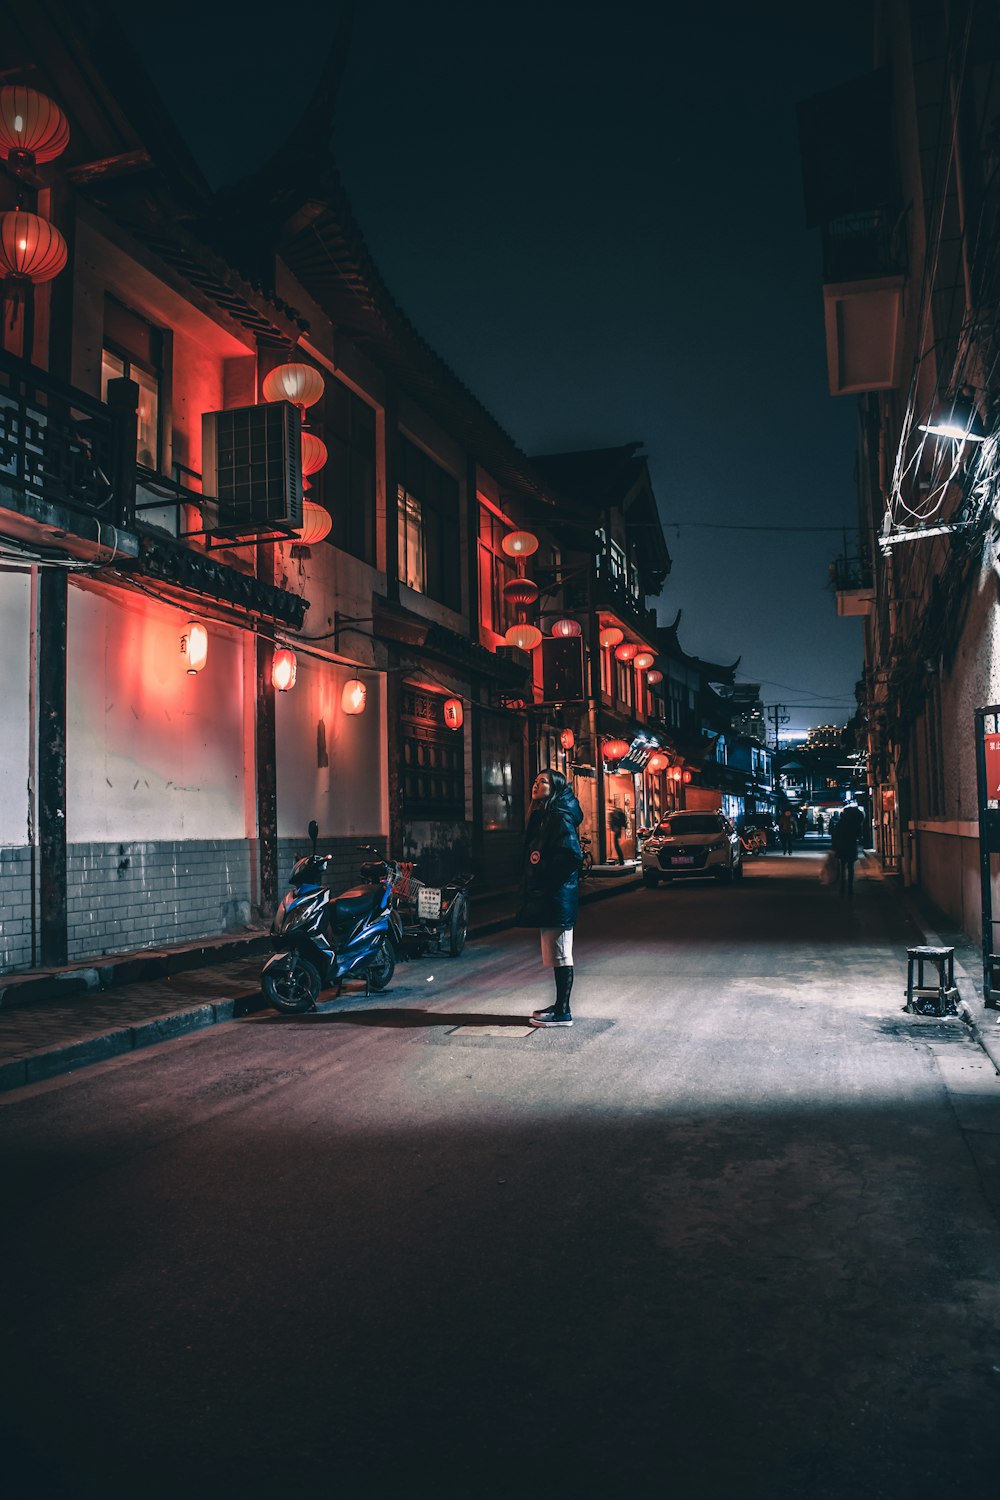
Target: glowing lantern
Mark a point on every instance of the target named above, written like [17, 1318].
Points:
[519, 544]
[654, 677]
[302, 385]
[454, 713]
[32, 128]
[316, 523]
[566, 629]
[614, 749]
[283, 666]
[610, 636]
[626, 651]
[675, 773]
[352, 699]
[31, 249]
[686, 777]
[526, 637]
[657, 761]
[644, 661]
[567, 739]
[314, 454]
[194, 646]
[520, 591]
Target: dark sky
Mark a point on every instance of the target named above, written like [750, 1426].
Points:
[594, 215]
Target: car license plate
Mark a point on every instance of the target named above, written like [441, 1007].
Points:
[682, 859]
[428, 902]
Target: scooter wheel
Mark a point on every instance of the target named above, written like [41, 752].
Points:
[291, 986]
[383, 968]
[458, 926]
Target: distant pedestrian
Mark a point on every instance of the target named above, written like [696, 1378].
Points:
[847, 837]
[550, 892]
[618, 823]
[786, 827]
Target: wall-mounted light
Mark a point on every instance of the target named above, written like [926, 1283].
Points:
[956, 418]
[194, 647]
[454, 713]
[610, 636]
[283, 665]
[519, 543]
[354, 696]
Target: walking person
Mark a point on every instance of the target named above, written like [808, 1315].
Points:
[550, 892]
[786, 826]
[847, 835]
[618, 823]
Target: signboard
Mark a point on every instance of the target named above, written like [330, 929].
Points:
[638, 755]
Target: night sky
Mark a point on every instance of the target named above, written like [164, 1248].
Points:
[594, 215]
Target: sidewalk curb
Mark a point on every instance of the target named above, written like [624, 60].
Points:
[989, 1043]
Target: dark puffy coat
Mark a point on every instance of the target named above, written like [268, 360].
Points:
[848, 833]
[550, 885]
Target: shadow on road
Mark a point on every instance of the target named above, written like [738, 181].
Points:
[397, 1018]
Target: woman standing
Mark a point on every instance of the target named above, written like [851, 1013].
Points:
[550, 893]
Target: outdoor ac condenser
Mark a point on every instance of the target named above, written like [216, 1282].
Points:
[252, 467]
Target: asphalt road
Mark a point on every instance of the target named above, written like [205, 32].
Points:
[733, 1235]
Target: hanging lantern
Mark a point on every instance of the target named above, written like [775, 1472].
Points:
[610, 636]
[687, 777]
[653, 677]
[657, 761]
[316, 524]
[520, 591]
[302, 385]
[454, 713]
[566, 629]
[525, 637]
[283, 666]
[32, 128]
[194, 647]
[567, 739]
[352, 699]
[675, 773]
[614, 749]
[31, 250]
[644, 661]
[519, 543]
[314, 454]
[627, 651]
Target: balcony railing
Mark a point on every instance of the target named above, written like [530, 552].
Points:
[59, 446]
[848, 574]
[861, 247]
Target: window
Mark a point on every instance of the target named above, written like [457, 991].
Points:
[430, 558]
[345, 485]
[433, 759]
[495, 569]
[133, 350]
[623, 681]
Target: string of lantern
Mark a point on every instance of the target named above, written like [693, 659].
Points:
[33, 130]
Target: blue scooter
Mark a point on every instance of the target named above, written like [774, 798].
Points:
[324, 939]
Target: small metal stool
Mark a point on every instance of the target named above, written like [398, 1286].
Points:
[931, 999]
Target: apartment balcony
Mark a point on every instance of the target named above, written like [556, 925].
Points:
[863, 279]
[852, 582]
[613, 595]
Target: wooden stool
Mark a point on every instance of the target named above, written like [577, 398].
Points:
[931, 999]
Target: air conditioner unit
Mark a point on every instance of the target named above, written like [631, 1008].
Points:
[252, 467]
[562, 669]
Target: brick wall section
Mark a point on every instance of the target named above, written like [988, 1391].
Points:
[141, 895]
[347, 858]
[15, 909]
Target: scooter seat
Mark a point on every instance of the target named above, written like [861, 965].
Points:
[350, 905]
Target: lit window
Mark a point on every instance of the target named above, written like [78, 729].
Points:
[412, 570]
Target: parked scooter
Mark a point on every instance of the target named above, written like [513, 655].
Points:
[324, 939]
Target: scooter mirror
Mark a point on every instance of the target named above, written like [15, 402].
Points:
[314, 833]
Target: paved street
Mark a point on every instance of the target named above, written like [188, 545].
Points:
[733, 1235]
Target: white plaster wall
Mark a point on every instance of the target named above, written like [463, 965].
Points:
[346, 796]
[15, 728]
[151, 752]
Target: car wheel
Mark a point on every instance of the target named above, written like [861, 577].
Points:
[650, 879]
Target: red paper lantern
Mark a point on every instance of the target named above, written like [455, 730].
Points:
[675, 773]
[454, 713]
[614, 749]
[626, 651]
[686, 777]
[32, 128]
[654, 677]
[354, 696]
[302, 385]
[657, 761]
[519, 543]
[520, 591]
[525, 637]
[610, 636]
[316, 524]
[566, 629]
[31, 249]
[644, 661]
[314, 454]
[283, 665]
[194, 647]
[567, 739]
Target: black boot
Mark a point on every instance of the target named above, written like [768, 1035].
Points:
[558, 1014]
